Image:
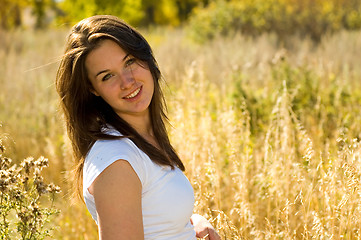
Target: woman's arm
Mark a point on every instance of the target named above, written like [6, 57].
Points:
[204, 228]
[117, 192]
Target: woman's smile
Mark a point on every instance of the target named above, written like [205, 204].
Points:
[133, 96]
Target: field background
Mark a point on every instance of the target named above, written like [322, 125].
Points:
[269, 131]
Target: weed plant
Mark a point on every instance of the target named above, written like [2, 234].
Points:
[22, 212]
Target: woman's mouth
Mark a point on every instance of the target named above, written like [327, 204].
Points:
[133, 94]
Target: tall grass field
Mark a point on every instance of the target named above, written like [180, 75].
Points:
[270, 135]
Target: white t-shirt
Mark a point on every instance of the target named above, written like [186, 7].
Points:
[167, 195]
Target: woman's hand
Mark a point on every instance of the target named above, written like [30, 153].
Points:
[203, 228]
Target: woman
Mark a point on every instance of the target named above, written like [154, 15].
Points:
[131, 177]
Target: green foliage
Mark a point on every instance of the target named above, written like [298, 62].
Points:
[129, 10]
[211, 21]
[325, 103]
[308, 18]
[164, 12]
[39, 8]
[77, 10]
[21, 190]
[10, 13]
[135, 12]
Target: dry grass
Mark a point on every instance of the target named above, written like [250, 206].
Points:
[270, 137]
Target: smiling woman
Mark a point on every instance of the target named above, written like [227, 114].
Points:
[131, 177]
[121, 80]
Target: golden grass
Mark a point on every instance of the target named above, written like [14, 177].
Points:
[270, 137]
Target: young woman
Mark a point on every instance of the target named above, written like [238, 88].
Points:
[131, 177]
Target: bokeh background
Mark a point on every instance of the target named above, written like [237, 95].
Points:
[264, 100]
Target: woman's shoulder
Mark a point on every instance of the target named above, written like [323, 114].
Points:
[121, 143]
[105, 152]
[107, 148]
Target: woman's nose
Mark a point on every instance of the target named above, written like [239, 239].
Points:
[126, 80]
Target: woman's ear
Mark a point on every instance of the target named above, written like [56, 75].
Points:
[94, 92]
[91, 88]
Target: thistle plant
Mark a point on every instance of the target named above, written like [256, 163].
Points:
[22, 192]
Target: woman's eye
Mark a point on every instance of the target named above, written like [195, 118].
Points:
[107, 76]
[129, 62]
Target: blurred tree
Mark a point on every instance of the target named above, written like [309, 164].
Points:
[39, 8]
[160, 12]
[185, 8]
[170, 12]
[10, 13]
[135, 12]
[129, 10]
[306, 18]
[76, 10]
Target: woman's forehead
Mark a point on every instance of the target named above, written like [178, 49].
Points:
[105, 49]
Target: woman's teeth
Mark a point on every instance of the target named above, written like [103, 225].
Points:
[135, 93]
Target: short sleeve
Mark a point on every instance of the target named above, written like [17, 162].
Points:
[105, 152]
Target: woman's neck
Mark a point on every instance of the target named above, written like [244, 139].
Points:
[142, 124]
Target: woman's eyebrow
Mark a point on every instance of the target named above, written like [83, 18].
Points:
[103, 71]
[125, 57]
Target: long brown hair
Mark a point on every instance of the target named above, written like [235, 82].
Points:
[86, 115]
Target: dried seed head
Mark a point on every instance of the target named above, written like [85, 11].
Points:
[41, 187]
[53, 188]
[41, 162]
[3, 185]
[24, 179]
[5, 162]
[28, 164]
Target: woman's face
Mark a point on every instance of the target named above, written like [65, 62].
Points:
[124, 82]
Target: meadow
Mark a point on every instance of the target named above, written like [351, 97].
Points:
[270, 133]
